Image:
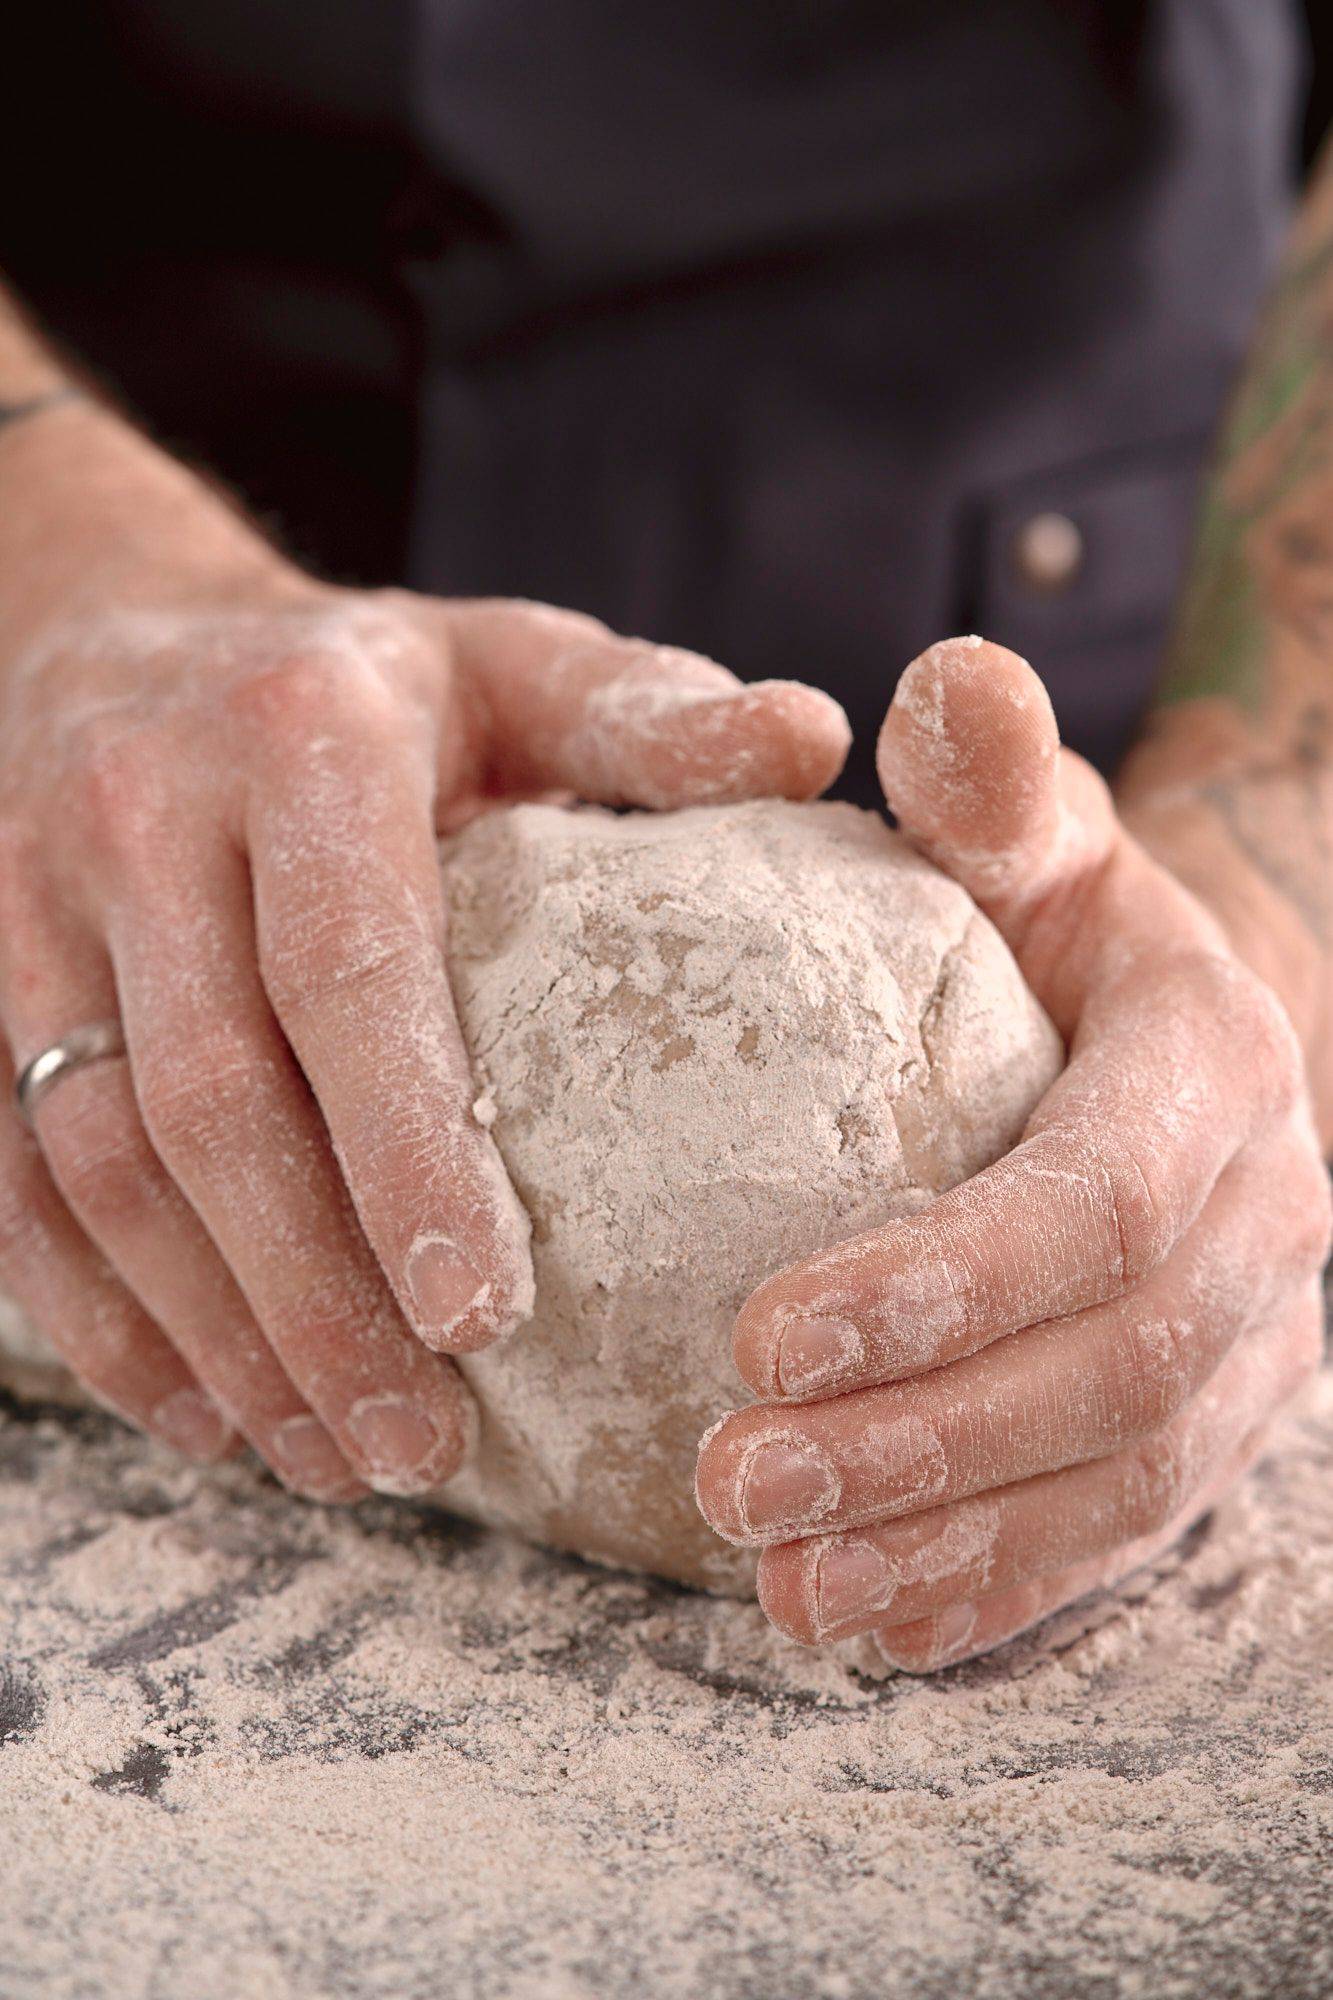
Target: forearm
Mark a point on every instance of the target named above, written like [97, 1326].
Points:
[92, 514]
[1232, 786]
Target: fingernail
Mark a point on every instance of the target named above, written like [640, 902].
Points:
[814, 1352]
[787, 1485]
[400, 1442]
[444, 1285]
[193, 1423]
[852, 1579]
[305, 1458]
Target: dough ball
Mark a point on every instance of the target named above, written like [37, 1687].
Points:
[712, 1042]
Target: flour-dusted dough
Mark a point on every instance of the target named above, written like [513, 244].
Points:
[716, 1041]
[708, 1043]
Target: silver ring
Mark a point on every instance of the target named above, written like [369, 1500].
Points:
[71, 1052]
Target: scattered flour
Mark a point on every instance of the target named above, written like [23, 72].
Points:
[258, 1748]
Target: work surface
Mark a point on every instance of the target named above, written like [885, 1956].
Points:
[248, 1747]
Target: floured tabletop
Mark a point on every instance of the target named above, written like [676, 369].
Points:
[249, 1747]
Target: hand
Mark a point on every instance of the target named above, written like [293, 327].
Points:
[217, 822]
[972, 1416]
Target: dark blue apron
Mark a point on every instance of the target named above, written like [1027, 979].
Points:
[801, 333]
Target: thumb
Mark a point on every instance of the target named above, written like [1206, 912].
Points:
[567, 704]
[971, 765]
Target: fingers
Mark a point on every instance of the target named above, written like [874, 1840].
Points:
[567, 703]
[1052, 1395]
[969, 757]
[233, 1123]
[229, 1223]
[1174, 1068]
[966, 1630]
[114, 1186]
[904, 1571]
[349, 925]
[971, 765]
[71, 1296]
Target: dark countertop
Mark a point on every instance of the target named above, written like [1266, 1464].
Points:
[253, 1747]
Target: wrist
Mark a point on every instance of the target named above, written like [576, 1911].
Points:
[94, 518]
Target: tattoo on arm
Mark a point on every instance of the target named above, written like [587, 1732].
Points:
[1278, 811]
[1264, 546]
[1247, 695]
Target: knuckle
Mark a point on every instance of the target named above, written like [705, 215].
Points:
[183, 1123]
[1210, 979]
[1160, 1486]
[1164, 1372]
[205, 1111]
[308, 693]
[1117, 1202]
[1135, 1215]
[331, 959]
[115, 774]
[333, 1328]
[329, 1308]
[1256, 1023]
[119, 793]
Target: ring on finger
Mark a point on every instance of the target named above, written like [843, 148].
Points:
[93, 1042]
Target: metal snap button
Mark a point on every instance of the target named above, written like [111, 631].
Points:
[1048, 552]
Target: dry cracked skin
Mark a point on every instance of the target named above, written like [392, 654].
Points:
[707, 1044]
